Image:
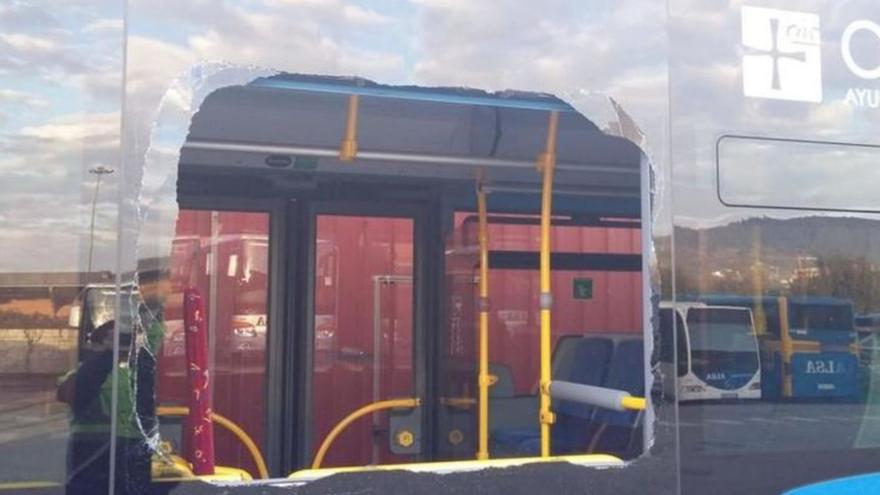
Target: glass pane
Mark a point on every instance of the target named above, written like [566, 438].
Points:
[363, 331]
[224, 255]
[780, 228]
[60, 95]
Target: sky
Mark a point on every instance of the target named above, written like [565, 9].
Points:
[61, 83]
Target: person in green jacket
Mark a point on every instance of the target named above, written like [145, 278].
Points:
[88, 390]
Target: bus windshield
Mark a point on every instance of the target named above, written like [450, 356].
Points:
[821, 317]
[720, 330]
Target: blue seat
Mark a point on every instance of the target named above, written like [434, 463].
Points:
[616, 432]
[582, 360]
[590, 366]
[504, 387]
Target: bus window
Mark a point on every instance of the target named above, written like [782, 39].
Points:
[223, 254]
[363, 331]
[721, 330]
[724, 352]
[804, 318]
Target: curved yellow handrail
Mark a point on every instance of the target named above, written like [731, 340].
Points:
[368, 409]
[233, 428]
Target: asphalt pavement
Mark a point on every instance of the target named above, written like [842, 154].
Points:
[752, 448]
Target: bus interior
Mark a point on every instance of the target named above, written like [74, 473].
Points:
[349, 237]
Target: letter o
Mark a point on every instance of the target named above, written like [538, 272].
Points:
[846, 48]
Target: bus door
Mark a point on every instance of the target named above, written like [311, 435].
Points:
[224, 255]
[363, 341]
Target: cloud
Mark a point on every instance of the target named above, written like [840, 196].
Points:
[105, 26]
[346, 12]
[154, 64]
[27, 43]
[570, 46]
[13, 15]
[255, 39]
[45, 220]
[21, 52]
[67, 50]
[95, 129]
[359, 15]
[21, 98]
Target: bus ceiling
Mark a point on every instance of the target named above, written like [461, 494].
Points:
[302, 131]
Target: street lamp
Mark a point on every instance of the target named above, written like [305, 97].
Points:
[98, 172]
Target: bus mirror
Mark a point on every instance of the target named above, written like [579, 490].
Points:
[75, 316]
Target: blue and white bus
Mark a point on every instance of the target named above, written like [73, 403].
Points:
[809, 345]
[714, 352]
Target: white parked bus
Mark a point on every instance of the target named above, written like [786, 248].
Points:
[717, 352]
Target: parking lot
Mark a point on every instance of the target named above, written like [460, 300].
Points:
[765, 448]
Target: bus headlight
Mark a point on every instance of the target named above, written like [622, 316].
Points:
[245, 332]
[693, 389]
[755, 386]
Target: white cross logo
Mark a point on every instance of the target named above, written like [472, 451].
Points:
[783, 58]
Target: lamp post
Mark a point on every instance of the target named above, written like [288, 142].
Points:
[98, 172]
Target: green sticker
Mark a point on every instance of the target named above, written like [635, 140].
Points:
[582, 288]
[305, 163]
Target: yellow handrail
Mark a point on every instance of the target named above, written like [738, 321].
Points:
[786, 345]
[229, 425]
[483, 380]
[546, 165]
[363, 411]
[348, 147]
[633, 403]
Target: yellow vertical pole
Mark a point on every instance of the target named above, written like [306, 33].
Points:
[484, 380]
[786, 347]
[348, 147]
[546, 164]
[757, 274]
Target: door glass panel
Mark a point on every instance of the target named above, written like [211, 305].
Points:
[223, 254]
[363, 330]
